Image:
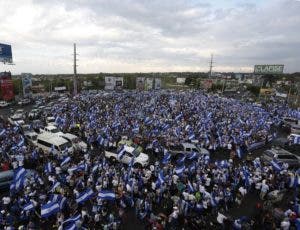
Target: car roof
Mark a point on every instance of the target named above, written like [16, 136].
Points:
[68, 135]
[188, 145]
[279, 151]
[51, 127]
[54, 139]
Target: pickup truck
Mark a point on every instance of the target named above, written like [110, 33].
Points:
[140, 159]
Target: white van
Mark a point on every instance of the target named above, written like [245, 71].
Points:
[77, 143]
[295, 129]
[48, 141]
[51, 129]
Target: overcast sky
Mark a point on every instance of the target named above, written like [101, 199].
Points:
[150, 35]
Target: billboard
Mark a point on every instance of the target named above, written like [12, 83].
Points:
[5, 53]
[27, 84]
[112, 83]
[268, 69]
[7, 87]
[157, 83]
[140, 83]
[266, 91]
[149, 83]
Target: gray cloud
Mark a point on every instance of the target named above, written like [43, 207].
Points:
[136, 36]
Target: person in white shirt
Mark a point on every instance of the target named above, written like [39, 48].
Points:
[264, 190]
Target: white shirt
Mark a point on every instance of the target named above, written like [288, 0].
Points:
[221, 218]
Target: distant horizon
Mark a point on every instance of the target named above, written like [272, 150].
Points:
[150, 36]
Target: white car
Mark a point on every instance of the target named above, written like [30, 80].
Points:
[16, 119]
[77, 143]
[51, 129]
[50, 121]
[25, 101]
[31, 137]
[3, 104]
[140, 159]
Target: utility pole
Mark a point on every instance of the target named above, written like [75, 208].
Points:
[211, 65]
[75, 72]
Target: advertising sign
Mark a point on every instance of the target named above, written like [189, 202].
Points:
[180, 80]
[149, 83]
[7, 87]
[266, 91]
[157, 83]
[112, 83]
[27, 84]
[268, 69]
[5, 53]
[140, 83]
[60, 88]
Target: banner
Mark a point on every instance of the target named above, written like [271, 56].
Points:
[5, 53]
[7, 87]
[268, 69]
[112, 83]
[27, 84]
[266, 91]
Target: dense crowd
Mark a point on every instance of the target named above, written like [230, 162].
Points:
[86, 191]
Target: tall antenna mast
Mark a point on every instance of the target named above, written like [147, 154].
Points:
[75, 72]
[211, 65]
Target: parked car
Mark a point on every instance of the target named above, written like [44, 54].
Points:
[140, 159]
[24, 101]
[52, 142]
[281, 156]
[77, 143]
[16, 119]
[51, 129]
[31, 137]
[3, 104]
[34, 114]
[186, 148]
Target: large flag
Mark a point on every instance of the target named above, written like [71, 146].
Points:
[49, 209]
[179, 169]
[107, 195]
[84, 196]
[275, 165]
[121, 152]
[28, 207]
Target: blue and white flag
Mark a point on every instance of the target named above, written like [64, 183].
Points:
[72, 219]
[21, 142]
[28, 207]
[100, 140]
[107, 195]
[294, 181]
[121, 152]
[161, 177]
[70, 226]
[48, 168]
[136, 129]
[65, 161]
[192, 136]
[239, 152]
[179, 116]
[181, 160]
[3, 131]
[179, 169]
[166, 158]
[49, 209]
[297, 140]
[190, 187]
[84, 196]
[19, 173]
[275, 165]
[192, 156]
[55, 185]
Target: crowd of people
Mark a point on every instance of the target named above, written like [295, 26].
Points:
[84, 190]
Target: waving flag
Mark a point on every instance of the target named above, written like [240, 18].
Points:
[179, 169]
[49, 209]
[19, 173]
[178, 117]
[239, 152]
[55, 185]
[181, 160]
[275, 165]
[84, 196]
[192, 156]
[21, 142]
[190, 187]
[192, 136]
[166, 158]
[3, 131]
[121, 152]
[161, 178]
[48, 168]
[28, 207]
[65, 161]
[73, 219]
[107, 195]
